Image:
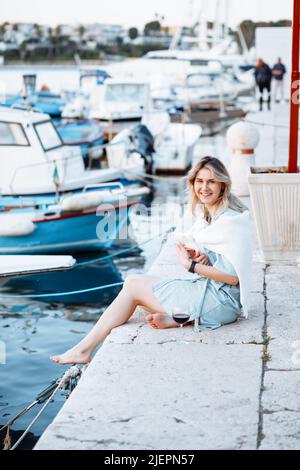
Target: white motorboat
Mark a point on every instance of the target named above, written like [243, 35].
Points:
[206, 90]
[34, 159]
[120, 100]
[49, 202]
[171, 147]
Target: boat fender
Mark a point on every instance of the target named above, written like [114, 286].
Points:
[85, 201]
[16, 225]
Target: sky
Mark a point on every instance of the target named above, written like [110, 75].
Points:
[138, 12]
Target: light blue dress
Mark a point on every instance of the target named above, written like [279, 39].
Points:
[213, 303]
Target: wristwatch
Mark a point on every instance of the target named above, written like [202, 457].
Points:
[192, 267]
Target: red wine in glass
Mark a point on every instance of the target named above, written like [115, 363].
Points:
[181, 318]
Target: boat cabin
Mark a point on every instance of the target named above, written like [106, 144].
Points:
[33, 156]
[119, 100]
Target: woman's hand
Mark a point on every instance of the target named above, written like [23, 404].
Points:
[199, 257]
[183, 255]
[187, 256]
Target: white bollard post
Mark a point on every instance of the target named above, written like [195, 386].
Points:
[243, 138]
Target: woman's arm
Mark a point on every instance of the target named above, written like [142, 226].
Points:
[216, 275]
[208, 271]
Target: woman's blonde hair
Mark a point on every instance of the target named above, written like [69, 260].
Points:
[226, 200]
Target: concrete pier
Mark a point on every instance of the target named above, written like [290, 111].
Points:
[231, 388]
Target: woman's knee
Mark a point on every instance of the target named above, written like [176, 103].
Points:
[132, 283]
[138, 287]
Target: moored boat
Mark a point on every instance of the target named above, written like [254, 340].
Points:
[88, 134]
[35, 160]
[84, 221]
[50, 202]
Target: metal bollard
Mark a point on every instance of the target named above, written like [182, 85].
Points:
[243, 138]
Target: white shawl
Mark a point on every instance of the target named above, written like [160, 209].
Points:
[230, 236]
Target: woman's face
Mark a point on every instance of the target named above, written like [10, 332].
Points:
[206, 188]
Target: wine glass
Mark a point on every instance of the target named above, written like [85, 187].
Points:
[181, 315]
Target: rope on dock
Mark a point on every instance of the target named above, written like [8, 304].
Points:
[73, 373]
[267, 124]
[55, 294]
[82, 291]
[166, 179]
[125, 250]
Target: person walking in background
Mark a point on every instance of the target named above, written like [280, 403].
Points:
[263, 78]
[278, 73]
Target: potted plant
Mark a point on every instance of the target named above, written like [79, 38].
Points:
[275, 192]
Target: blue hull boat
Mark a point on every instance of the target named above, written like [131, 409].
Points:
[74, 232]
[79, 278]
[45, 102]
[82, 221]
[50, 202]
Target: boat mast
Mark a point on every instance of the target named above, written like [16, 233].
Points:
[217, 34]
[202, 28]
[226, 25]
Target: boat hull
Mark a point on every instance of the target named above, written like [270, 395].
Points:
[76, 232]
[80, 278]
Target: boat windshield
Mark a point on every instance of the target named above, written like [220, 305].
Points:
[12, 133]
[126, 92]
[48, 135]
[199, 80]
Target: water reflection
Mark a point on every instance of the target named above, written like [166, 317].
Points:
[32, 330]
[79, 278]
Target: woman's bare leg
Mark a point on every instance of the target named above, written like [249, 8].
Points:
[136, 291]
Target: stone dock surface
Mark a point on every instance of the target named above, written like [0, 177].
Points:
[232, 388]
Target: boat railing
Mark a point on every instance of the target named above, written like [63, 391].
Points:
[26, 107]
[52, 164]
[102, 185]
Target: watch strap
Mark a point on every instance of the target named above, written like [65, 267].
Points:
[192, 267]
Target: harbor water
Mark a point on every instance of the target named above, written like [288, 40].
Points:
[56, 77]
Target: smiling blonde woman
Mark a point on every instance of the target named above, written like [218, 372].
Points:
[216, 294]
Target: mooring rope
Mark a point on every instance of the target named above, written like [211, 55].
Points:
[267, 124]
[54, 294]
[72, 373]
[125, 250]
[83, 291]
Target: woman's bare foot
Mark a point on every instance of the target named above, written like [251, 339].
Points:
[160, 321]
[73, 356]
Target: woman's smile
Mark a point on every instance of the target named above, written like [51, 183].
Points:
[206, 187]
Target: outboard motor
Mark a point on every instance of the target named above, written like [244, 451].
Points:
[142, 142]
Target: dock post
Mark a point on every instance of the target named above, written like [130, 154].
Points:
[243, 138]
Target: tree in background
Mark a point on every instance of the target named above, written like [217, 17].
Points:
[248, 28]
[38, 31]
[23, 51]
[50, 42]
[133, 33]
[2, 29]
[81, 31]
[152, 27]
